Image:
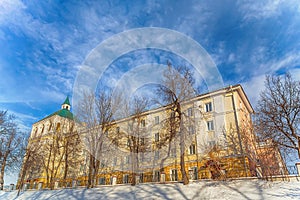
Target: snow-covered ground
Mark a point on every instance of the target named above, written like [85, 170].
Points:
[238, 189]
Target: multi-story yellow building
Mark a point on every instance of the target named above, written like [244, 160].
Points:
[218, 139]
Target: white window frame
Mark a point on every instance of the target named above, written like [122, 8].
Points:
[127, 160]
[115, 161]
[156, 137]
[190, 112]
[126, 178]
[192, 149]
[156, 120]
[174, 176]
[212, 143]
[208, 107]
[156, 155]
[173, 152]
[191, 129]
[143, 123]
[210, 125]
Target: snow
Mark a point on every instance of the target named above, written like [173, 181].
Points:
[237, 189]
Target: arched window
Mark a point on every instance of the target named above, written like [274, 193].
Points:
[35, 132]
[42, 131]
[50, 126]
[58, 127]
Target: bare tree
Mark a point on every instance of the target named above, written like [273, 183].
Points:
[136, 133]
[278, 112]
[53, 153]
[168, 137]
[71, 145]
[31, 161]
[175, 89]
[10, 145]
[96, 116]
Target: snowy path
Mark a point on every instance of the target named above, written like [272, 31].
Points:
[246, 189]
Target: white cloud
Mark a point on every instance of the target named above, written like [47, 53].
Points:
[9, 9]
[253, 88]
[255, 85]
[295, 73]
[287, 62]
[265, 9]
[259, 9]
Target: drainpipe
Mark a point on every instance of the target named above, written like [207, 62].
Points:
[238, 130]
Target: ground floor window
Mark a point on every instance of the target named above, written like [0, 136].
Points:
[193, 173]
[125, 178]
[174, 175]
[156, 176]
[141, 177]
[102, 181]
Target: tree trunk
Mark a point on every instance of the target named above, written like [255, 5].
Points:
[96, 170]
[66, 166]
[2, 170]
[7, 152]
[185, 178]
[182, 162]
[21, 180]
[23, 173]
[298, 149]
[91, 164]
[2, 176]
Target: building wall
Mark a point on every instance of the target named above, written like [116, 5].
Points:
[220, 146]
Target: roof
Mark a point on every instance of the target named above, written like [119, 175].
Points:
[62, 112]
[65, 113]
[67, 101]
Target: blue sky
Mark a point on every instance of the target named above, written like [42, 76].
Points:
[44, 43]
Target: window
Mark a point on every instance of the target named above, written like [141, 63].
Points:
[173, 152]
[143, 123]
[141, 177]
[102, 181]
[193, 173]
[127, 160]
[156, 120]
[208, 107]
[142, 156]
[142, 141]
[50, 126]
[126, 178]
[172, 115]
[115, 161]
[58, 127]
[210, 125]
[35, 132]
[156, 155]
[174, 175]
[156, 137]
[212, 143]
[156, 176]
[192, 149]
[128, 142]
[191, 130]
[102, 163]
[42, 129]
[190, 112]
[118, 129]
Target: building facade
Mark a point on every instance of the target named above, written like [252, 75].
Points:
[218, 143]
